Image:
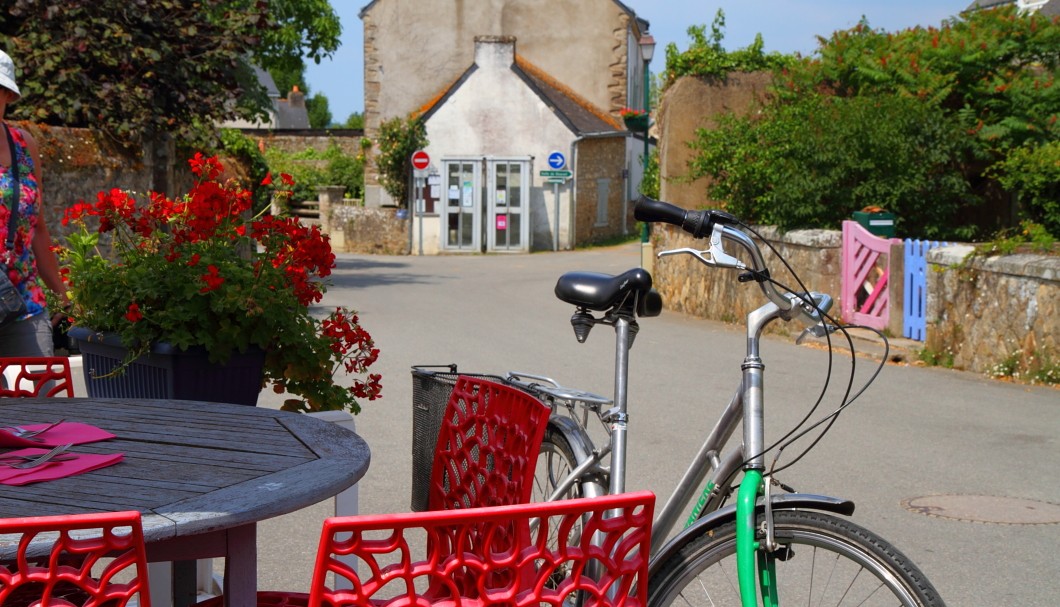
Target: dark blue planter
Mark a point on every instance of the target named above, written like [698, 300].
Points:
[167, 372]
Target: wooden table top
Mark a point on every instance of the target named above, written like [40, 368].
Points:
[190, 467]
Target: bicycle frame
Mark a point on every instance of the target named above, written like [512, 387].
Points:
[746, 407]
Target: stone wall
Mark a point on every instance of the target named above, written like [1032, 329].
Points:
[76, 166]
[984, 311]
[597, 159]
[691, 287]
[294, 141]
[369, 230]
[690, 104]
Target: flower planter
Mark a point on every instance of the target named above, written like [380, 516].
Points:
[637, 122]
[167, 372]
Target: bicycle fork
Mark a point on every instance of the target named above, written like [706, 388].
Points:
[752, 556]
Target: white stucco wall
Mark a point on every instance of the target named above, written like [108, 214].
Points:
[415, 48]
[494, 113]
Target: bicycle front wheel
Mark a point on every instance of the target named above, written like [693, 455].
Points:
[822, 560]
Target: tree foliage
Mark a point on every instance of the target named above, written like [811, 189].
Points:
[138, 69]
[707, 57]
[939, 125]
[811, 163]
[996, 68]
[398, 139]
[318, 110]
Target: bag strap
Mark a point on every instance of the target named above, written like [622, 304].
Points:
[12, 220]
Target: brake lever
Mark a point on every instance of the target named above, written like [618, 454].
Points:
[818, 330]
[715, 256]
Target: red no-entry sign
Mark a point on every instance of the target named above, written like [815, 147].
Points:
[420, 160]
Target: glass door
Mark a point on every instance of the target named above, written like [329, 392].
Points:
[462, 221]
[508, 191]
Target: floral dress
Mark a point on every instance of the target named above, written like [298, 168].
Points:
[20, 263]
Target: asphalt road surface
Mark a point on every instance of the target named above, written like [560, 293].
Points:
[957, 470]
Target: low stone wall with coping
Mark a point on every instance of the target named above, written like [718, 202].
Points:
[984, 312]
[691, 287]
[375, 231]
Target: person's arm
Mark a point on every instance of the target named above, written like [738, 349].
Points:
[47, 264]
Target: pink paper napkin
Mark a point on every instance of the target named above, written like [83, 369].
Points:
[81, 463]
[65, 433]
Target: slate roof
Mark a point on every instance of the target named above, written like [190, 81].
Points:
[291, 114]
[577, 113]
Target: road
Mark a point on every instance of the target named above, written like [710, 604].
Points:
[957, 470]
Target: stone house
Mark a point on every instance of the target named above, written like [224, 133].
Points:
[286, 113]
[508, 90]
[1049, 8]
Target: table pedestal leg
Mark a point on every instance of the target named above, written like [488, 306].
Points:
[241, 567]
[185, 583]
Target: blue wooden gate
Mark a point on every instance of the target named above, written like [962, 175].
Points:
[914, 295]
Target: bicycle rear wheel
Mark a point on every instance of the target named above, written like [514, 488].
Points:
[555, 461]
[823, 560]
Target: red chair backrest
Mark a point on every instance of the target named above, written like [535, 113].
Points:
[49, 560]
[487, 446]
[36, 374]
[388, 546]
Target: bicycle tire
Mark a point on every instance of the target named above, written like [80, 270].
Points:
[824, 560]
[555, 461]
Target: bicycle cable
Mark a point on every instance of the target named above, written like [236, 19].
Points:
[794, 433]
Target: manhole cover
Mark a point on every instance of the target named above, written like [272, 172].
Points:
[986, 509]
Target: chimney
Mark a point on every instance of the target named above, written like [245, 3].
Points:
[296, 98]
[494, 51]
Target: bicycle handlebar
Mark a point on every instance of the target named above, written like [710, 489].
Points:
[717, 225]
[696, 223]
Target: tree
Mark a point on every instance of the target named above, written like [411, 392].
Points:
[300, 29]
[945, 126]
[398, 139]
[319, 113]
[354, 121]
[148, 70]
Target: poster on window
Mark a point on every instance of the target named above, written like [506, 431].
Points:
[468, 199]
[502, 198]
[502, 222]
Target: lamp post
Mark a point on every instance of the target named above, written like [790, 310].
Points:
[647, 49]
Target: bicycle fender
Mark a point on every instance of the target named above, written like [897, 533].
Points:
[581, 445]
[579, 442]
[785, 501]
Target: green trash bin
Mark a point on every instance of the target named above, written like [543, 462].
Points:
[879, 223]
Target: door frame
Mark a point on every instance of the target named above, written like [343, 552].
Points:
[525, 183]
[476, 205]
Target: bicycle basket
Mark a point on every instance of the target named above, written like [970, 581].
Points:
[431, 388]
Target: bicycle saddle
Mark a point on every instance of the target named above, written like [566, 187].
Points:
[601, 292]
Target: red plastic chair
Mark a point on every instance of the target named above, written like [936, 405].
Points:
[485, 456]
[487, 446]
[41, 573]
[491, 556]
[29, 376]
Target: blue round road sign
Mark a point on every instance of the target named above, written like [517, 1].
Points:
[557, 160]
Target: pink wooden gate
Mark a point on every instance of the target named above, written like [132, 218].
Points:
[864, 296]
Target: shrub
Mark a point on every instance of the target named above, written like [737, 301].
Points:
[1032, 174]
[398, 139]
[811, 163]
[311, 169]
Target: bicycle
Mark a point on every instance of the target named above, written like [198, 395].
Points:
[773, 542]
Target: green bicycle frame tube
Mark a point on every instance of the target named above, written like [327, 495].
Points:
[745, 536]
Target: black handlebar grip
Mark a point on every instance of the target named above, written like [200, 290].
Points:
[696, 223]
[649, 209]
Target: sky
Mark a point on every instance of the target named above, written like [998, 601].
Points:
[786, 25]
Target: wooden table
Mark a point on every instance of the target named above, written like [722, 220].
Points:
[202, 474]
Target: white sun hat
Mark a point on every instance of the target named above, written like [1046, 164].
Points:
[7, 74]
